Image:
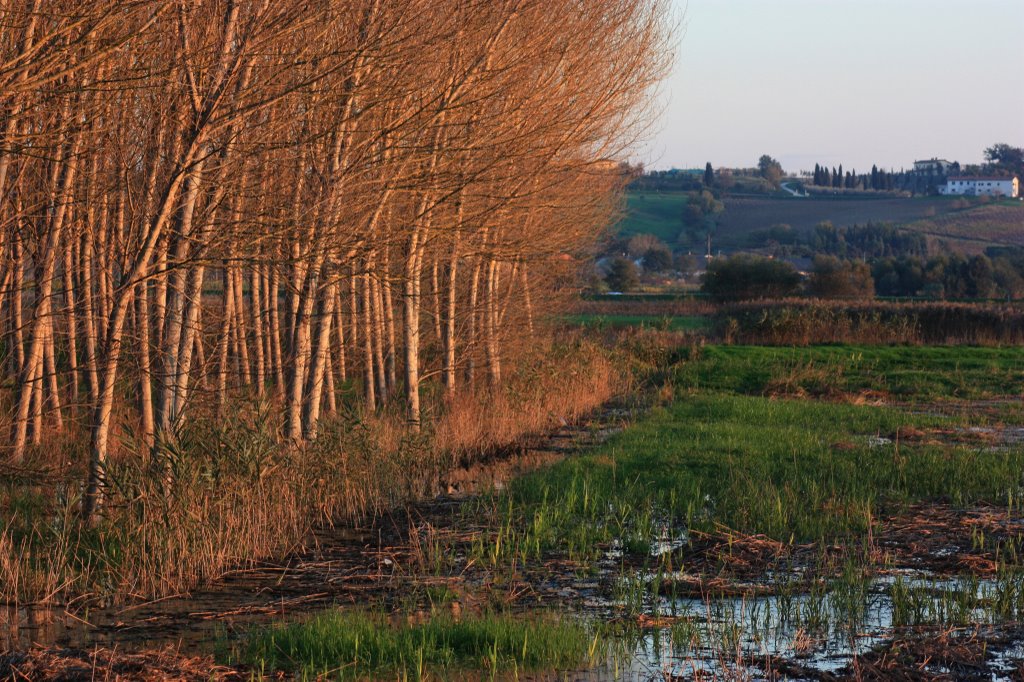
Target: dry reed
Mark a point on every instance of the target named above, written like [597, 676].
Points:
[805, 322]
[226, 494]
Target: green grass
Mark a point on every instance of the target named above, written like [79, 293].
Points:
[664, 322]
[906, 373]
[660, 214]
[799, 470]
[348, 645]
[788, 469]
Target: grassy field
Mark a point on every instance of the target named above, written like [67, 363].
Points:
[660, 214]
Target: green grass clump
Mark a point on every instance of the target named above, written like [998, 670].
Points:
[346, 645]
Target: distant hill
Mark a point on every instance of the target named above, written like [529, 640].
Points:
[660, 214]
[975, 228]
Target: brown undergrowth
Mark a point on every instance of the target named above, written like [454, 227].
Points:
[225, 493]
[112, 665]
[935, 654]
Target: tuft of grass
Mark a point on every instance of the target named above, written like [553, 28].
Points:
[347, 645]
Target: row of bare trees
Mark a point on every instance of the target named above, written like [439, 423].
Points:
[201, 199]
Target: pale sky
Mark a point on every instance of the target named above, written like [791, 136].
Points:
[841, 81]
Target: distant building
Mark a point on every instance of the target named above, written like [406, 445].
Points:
[933, 167]
[975, 186]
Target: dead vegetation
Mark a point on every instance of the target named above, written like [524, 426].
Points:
[110, 665]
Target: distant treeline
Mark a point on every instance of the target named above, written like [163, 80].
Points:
[996, 275]
[1000, 160]
[877, 179]
[873, 240]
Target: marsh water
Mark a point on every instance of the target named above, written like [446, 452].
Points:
[817, 624]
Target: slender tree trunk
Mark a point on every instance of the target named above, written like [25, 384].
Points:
[71, 322]
[526, 301]
[89, 320]
[325, 316]
[340, 327]
[389, 321]
[275, 332]
[378, 340]
[224, 341]
[369, 381]
[451, 293]
[471, 343]
[490, 322]
[53, 385]
[255, 298]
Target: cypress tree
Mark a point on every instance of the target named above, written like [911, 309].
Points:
[709, 175]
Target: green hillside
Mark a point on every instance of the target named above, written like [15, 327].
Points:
[660, 214]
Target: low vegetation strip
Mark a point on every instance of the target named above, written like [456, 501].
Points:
[858, 373]
[664, 322]
[358, 645]
[239, 495]
[806, 322]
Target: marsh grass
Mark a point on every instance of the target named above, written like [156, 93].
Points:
[727, 456]
[791, 470]
[348, 645]
[786, 447]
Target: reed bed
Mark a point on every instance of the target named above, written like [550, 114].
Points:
[226, 493]
[803, 322]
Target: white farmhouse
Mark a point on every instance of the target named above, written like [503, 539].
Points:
[933, 166]
[974, 186]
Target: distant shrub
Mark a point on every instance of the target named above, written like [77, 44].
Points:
[834, 278]
[622, 275]
[744, 277]
[657, 259]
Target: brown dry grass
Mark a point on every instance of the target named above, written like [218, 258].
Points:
[112, 666]
[235, 495]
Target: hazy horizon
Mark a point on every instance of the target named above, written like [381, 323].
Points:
[857, 83]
